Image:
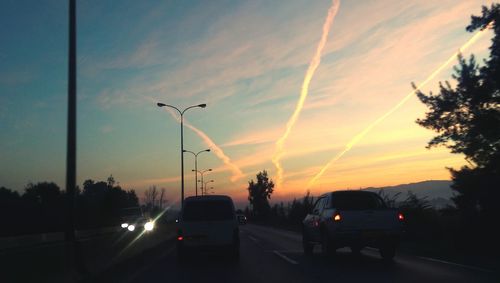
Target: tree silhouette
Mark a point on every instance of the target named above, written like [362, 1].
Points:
[467, 120]
[259, 194]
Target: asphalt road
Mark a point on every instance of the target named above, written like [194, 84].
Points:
[271, 255]
[49, 262]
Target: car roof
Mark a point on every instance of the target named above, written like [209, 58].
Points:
[347, 192]
[209, 198]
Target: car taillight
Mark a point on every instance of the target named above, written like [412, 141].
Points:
[401, 217]
[337, 217]
[180, 238]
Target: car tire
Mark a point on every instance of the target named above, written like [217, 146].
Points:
[327, 247]
[235, 254]
[388, 252]
[181, 254]
[306, 244]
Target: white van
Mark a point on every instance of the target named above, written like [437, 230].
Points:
[208, 223]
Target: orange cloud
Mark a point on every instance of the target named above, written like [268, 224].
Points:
[360, 136]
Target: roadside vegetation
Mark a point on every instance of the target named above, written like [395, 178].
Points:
[39, 209]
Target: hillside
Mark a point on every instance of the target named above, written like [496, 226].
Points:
[438, 192]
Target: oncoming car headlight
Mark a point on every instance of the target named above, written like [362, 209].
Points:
[124, 225]
[149, 226]
[131, 228]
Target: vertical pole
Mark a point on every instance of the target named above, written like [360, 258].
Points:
[202, 183]
[71, 135]
[74, 261]
[182, 162]
[196, 172]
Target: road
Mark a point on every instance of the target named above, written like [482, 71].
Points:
[271, 255]
[49, 262]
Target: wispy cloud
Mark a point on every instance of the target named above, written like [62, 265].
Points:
[105, 129]
[315, 61]
[363, 133]
[237, 173]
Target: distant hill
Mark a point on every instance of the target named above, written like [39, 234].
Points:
[438, 192]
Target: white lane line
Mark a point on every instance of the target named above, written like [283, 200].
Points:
[289, 260]
[253, 239]
[456, 264]
[446, 262]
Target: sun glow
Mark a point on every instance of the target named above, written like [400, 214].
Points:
[360, 136]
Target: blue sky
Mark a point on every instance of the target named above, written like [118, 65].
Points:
[247, 61]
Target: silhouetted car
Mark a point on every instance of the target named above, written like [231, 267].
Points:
[208, 223]
[133, 220]
[355, 219]
[242, 219]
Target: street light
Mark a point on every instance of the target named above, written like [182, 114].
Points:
[196, 166]
[211, 181]
[201, 173]
[181, 113]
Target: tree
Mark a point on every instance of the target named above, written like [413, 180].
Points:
[44, 201]
[43, 192]
[298, 210]
[150, 196]
[467, 118]
[259, 194]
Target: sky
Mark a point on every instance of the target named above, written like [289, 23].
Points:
[307, 90]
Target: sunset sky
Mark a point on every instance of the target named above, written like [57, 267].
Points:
[249, 62]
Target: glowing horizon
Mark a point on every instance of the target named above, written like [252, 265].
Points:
[359, 136]
[292, 88]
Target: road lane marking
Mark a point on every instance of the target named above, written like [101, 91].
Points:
[286, 251]
[289, 260]
[446, 262]
[253, 239]
[456, 264]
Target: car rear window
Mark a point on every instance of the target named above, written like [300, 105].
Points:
[213, 210]
[356, 201]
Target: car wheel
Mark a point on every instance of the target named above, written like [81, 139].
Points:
[235, 253]
[181, 254]
[306, 244]
[327, 247]
[388, 252]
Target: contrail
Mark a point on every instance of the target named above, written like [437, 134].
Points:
[359, 136]
[313, 65]
[236, 171]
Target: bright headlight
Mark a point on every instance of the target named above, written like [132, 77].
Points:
[149, 226]
[124, 225]
[131, 228]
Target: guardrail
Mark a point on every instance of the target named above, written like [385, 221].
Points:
[44, 238]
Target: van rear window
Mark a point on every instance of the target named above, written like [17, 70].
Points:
[212, 210]
[357, 201]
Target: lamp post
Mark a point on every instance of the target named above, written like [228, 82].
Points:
[196, 166]
[212, 190]
[181, 113]
[201, 173]
[211, 181]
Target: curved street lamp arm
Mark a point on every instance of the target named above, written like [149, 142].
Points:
[159, 104]
[193, 106]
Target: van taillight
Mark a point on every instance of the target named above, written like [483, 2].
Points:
[337, 217]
